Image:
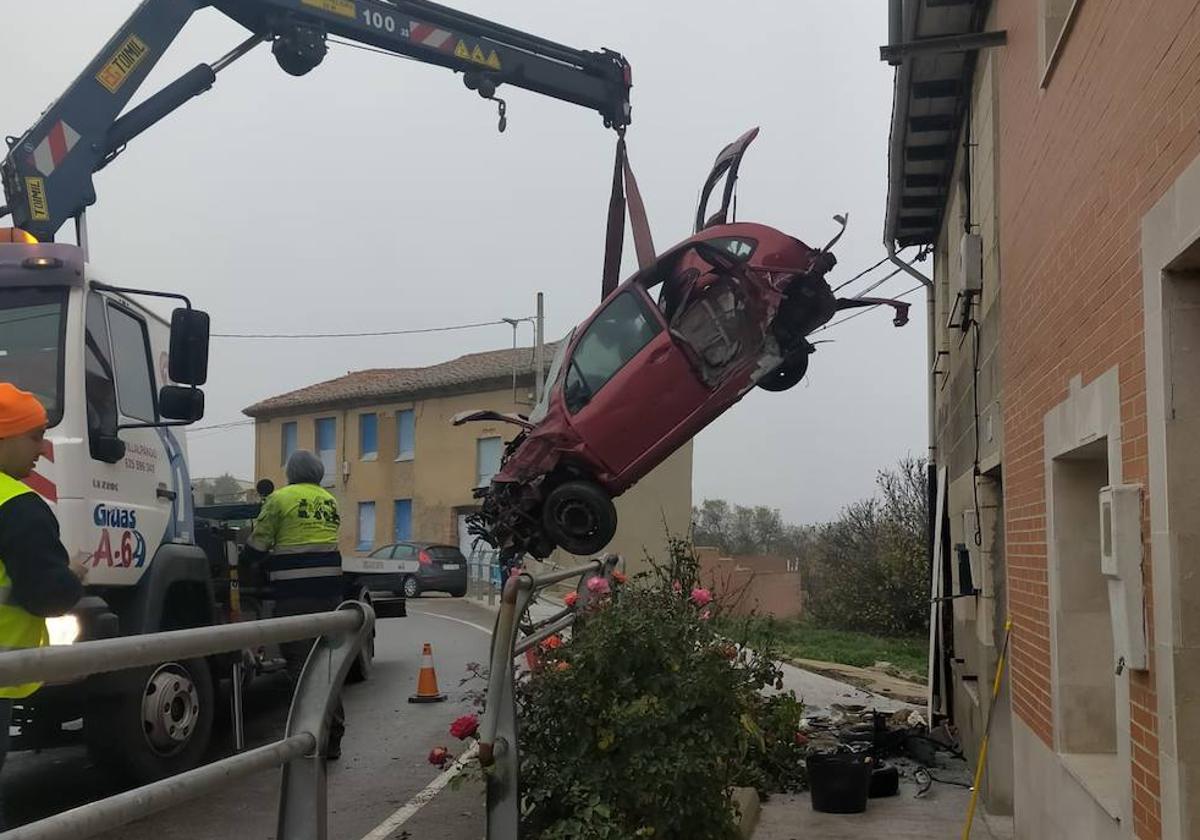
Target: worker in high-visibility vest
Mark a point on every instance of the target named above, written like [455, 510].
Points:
[37, 578]
[296, 533]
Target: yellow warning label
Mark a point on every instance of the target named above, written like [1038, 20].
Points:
[39, 207]
[477, 55]
[123, 62]
[338, 7]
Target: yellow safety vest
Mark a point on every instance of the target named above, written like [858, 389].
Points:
[18, 628]
[297, 518]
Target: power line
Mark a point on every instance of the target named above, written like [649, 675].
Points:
[865, 310]
[361, 334]
[878, 283]
[865, 271]
[215, 426]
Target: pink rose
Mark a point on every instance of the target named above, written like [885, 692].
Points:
[705, 615]
[701, 596]
[676, 587]
[464, 727]
[438, 756]
[570, 598]
[598, 586]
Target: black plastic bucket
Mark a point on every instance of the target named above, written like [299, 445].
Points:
[839, 782]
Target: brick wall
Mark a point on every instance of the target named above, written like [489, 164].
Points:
[761, 585]
[1081, 162]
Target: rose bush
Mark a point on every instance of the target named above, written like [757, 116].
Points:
[647, 718]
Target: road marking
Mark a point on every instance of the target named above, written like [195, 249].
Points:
[388, 827]
[478, 627]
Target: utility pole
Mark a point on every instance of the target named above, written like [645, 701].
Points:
[539, 350]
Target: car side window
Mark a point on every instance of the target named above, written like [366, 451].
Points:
[616, 335]
[404, 552]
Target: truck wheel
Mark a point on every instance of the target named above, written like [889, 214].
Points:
[158, 725]
[412, 587]
[580, 517]
[360, 670]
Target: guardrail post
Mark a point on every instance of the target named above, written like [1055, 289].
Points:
[302, 796]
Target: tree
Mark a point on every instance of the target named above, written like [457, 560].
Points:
[223, 488]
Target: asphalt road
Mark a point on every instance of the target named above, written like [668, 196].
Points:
[383, 763]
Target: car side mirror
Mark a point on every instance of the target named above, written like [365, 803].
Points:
[108, 449]
[188, 359]
[176, 402]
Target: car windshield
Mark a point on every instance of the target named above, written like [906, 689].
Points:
[32, 329]
[539, 411]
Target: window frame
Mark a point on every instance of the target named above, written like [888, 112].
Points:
[479, 480]
[363, 453]
[330, 478]
[1049, 54]
[55, 417]
[401, 453]
[359, 543]
[283, 435]
[112, 305]
[96, 305]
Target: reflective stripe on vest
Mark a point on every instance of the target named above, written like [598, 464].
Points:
[18, 628]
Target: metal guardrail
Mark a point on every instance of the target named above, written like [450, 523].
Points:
[302, 797]
[498, 729]
[484, 575]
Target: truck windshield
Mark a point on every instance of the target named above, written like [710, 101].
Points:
[32, 330]
[539, 411]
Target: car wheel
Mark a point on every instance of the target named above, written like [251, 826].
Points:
[360, 669]
[412, 587]
[786, 375]
[158, 726]
[580, 517]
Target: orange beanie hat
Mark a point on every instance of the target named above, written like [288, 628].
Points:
[20, 411]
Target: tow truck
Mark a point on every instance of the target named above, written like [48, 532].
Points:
[121, 383]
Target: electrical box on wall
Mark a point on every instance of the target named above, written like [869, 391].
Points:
[970, 265]
[1121, 564]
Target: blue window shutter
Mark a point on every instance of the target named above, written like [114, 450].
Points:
[327, 448]
[405, 435]
[402, 527]
[368, 435]
[288, 437]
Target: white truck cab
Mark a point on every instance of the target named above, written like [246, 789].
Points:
[114, 469]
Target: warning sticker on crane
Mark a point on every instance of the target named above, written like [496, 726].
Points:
[477, 55]
[123, 62]
[345, 8]
[39, 207]
[54, 147]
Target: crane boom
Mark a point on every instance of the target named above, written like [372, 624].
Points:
[47, 173]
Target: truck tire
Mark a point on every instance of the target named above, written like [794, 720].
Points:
[360, 669]
[580, 517]
[157, 724]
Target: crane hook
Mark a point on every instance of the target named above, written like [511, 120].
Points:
[503, 107]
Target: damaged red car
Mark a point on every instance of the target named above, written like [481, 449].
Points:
[668, 352]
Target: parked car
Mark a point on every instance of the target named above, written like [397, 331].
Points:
[642, 375]
[439, 568]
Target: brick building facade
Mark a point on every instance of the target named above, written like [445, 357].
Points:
[1073, 152]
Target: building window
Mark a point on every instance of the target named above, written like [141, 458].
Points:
[288, 436]
[1055, 24]
[368, 436]
[405, 435]
[326, 434]
[402, 520]
[487, 459]
[366, 526]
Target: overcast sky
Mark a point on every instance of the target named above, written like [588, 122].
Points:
[375, 193]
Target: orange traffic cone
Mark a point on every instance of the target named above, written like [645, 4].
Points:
[427, 687]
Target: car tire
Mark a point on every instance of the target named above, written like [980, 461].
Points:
[412, 587]
[458, 593]
[364, 663]
[144, 738]
[786, 376]
[580, 517]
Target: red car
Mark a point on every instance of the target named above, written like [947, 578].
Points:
[640, 377]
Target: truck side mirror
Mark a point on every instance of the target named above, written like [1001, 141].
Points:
[176, 402]
[188, 359]
[108, 449]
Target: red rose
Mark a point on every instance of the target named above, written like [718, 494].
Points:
[464, 727]
[552, 642]
[438, 756]
[619, 577]
[570, 598]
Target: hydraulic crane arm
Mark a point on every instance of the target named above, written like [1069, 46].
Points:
[47, 174]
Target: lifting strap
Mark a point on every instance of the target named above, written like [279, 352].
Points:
[624, 181]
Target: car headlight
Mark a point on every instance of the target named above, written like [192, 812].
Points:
[63, 629]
